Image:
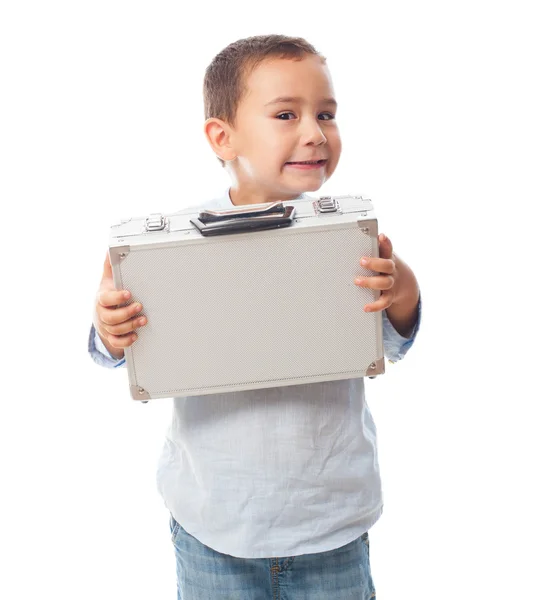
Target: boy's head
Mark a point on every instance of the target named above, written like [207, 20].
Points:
[253, 136]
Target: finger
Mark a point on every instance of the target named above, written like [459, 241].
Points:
[115, 316]
[121, 341]
[378, 282]
[384, 301]
[380, 265]
[126, 326]
[109, 298]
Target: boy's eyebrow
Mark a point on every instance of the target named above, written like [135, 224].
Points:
[283, 99]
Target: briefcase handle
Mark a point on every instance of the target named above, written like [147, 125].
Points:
[239, 220]
[207, 216]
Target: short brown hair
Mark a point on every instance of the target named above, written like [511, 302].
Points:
[226, 74]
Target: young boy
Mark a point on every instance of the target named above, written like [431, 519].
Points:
[272, 491]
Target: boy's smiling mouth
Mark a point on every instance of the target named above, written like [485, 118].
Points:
[305, 165]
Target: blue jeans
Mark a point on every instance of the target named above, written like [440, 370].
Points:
[204, 574]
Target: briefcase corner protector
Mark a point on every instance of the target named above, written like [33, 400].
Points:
[138, 393]
[376, 367]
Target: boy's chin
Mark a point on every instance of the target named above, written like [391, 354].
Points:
[312, 186]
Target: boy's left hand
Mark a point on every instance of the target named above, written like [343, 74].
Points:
[387, 281]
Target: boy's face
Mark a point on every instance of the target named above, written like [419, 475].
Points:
[270, 133]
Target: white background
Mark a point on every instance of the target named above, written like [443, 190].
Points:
[440, 111]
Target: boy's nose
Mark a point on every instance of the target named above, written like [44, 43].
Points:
[314, 134]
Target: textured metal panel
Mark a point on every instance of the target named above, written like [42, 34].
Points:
[251, 310]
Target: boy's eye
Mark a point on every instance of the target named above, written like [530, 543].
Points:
[331, 116]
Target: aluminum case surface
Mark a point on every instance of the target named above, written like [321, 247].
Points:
[252, 306]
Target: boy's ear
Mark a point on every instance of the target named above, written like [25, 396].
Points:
[218, 134]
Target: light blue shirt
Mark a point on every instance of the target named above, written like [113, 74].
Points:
[272, 472]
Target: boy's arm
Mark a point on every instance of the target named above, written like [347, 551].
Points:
[395, 345]
[99, 353]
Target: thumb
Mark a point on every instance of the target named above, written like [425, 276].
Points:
[108, 273]
[385, 246]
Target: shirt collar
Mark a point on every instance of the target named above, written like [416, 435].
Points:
[227, 202]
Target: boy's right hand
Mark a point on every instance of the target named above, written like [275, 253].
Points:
[115, 325]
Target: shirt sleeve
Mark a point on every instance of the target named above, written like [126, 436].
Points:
[395, 345]
[99, 353]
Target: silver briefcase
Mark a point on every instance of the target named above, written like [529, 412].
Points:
[253, 297]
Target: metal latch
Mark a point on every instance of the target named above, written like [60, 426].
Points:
[327, 204]
[155, 222]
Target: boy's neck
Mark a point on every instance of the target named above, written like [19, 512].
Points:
[238, 197]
